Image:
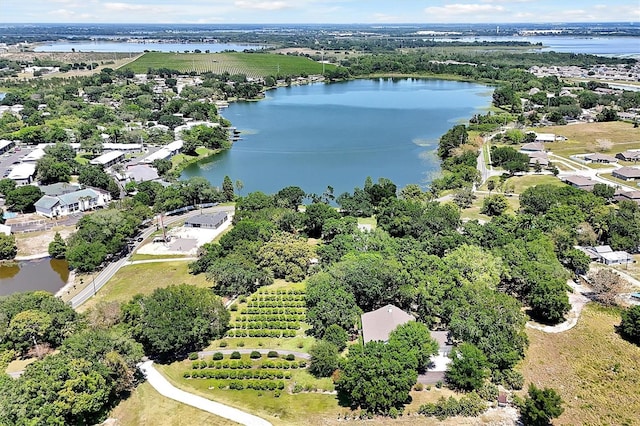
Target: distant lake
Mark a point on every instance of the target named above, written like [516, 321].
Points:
[114, 46]
[338, 134]
[29, 275]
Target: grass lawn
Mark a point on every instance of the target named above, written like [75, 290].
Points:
[250, 64]
[582, 138]
[610, 177]
[521, 183]
[632, 269]
[146, 407]
[156, 256]
[19, 364]
[596, 372]
[144, 278]
[368, 221]
[473, 212]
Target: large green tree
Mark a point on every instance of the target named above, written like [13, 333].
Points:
[630, 324]
[8, 247]
[176, 320]
[23, 198]
[415, 338]
[468, 369]
[540, 406]
[324, 359]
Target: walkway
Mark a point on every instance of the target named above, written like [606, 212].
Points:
[577, 299]
[164, 388]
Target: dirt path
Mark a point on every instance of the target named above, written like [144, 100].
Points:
[577, 299]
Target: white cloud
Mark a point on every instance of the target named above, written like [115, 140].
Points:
[263, 5]
[460, 8]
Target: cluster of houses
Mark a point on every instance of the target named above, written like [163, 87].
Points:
[617, 72]
[606, 255]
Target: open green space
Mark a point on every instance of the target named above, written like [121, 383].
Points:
[584, 138]
[520, 183]
[250, 64]
[473, 212]
[144, 278]
[591, 366]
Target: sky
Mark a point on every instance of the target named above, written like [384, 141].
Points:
[318, 11]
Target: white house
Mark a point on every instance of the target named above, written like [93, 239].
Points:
[73, 202]
[23, 173]
[108, 159]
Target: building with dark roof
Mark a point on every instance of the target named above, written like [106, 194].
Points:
[627, 173]
[209, 221]
[580, 182]
[378, 324]
[600, 158]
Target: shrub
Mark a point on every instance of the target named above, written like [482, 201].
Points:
[277, 393]
[240, 344]
[223, 344]
[272, 354]
[255, 355]
[217, 356]
[418, 387]
[235, 355]
[193, 356]
[233, 307]
[439, 384]
[290, 357]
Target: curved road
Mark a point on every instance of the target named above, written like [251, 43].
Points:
[166, 389]
[107, 273]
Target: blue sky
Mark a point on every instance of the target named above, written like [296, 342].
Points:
[319, 11]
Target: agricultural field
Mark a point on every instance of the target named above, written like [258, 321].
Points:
[251, 64]
[591, 366]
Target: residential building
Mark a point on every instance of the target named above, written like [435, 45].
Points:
[108, 159]
[73, 202]
[532, 147]
[606, 255]
[540, 158]
[545, 137]
[378, 324]
[165, 152]
[6, 145]
[23, 173]
[34, 156]
[600, 158]
[580, 182]
[633, 196]
[60, 188]
[627, 173]
[140, 173]
[207, 221]
[629, 155]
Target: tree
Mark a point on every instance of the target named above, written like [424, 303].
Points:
[315, 216]
[328, 302]
[464, 198]
[173, 321]
[540, 406]
[494, 205]
[290, 197]
[227, 189]
[235, 275]
[415, 338]
[162, 165]
[377, 377]
[336, 335]
[286, 256]
[606, 285]
[57, 247]
[49, 170]
[23, 198]
[239, 185]
[603, 190]
[468, 369]
[86, 257]
[324, 359]
[7, 185]
[630, 324]
[8, 247]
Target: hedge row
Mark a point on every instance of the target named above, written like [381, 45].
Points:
[273, 311]
[277, 298]
[267, 292]
[277, 304]
[269, 317]
[261, 333]
[237, 374]
[235, 365]
[283, 364]
[267, 325]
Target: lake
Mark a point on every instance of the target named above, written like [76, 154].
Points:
[29, 275]
[338, 134]
[115, 46]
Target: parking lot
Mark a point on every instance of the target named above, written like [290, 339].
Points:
[9, 159]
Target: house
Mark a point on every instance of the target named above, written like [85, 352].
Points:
[545, 137]
[108, 159]
[77, 201]
[444, 344]
[378, 324]
[627, 173]
[580, 182]
[532, 147]
[6, 145]
[59, 188]
[165, 152]
[540, 158]
[23, 173]
[34, 155]
[5, 229]
[141, 173]
[208, 221]
[606, 255]
[629, 156]
[600, 158]
[124, 147]
[633, 196]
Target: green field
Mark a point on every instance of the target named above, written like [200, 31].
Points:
[250, 64]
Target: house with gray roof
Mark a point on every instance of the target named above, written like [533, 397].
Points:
[600, 158]
[59, 188]
[627, 173]
[208, 221]
[141, 173]
[378, 324]
[73, 202]
[631, 155]
[580, 182]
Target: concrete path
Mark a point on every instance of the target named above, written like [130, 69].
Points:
[167, 259]
[577, 299]
[166, 389]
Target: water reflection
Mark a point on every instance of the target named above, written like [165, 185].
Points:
[39, 274]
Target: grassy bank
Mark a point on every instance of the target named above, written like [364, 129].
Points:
[595, 371]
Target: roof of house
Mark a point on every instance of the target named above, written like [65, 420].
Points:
[550, 137]
[628, 172]
[142, 173]
[22, 171]
[206, 219]
[442, 337]
[34, 155]
[5, 142]
[630, 195]
[600, 157]
[74, 197]
[378, 324]
[107, 157]
[630, 154]
[532, 146]
[47, 202]
[580, 181]
[59, 188]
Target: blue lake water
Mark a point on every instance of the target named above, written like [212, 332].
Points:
[338, 134]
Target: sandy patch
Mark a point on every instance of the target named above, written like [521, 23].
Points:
[36, 244]
[184, 240]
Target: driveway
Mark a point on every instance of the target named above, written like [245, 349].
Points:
[166, 389]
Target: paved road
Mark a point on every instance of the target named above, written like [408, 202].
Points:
[107, 273]
[166, 389]
[302, 355]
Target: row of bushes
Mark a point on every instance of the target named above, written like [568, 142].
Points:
[282, 364]
[268, 325]
[269, 317]
[235, 365]
[470, 405]
[237, 374]
[273, 311]
[261, 333]
[277, 304]
[272, 292]
[278, 298]
[276, 385]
